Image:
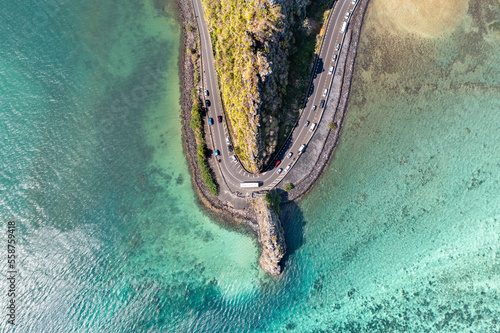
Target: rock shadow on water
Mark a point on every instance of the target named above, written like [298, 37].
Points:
[292, 220]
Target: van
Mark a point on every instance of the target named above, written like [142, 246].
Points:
[313, 126]
[344, 27]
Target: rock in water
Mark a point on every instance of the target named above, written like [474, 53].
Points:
[271, 237]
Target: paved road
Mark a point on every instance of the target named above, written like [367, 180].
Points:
[232, 172]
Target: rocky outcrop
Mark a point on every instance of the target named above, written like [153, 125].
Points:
[251, 43]
[271, 237]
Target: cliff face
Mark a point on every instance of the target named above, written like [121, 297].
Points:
[271, 237]
[251, 41]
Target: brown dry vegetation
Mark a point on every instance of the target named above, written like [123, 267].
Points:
[251, 42]
[255, 44]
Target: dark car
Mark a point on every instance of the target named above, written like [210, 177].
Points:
[219, 119]
[207, 103]
[307, 123]
[277, 162]
[210, 121]
[230, 148]
[322, 105]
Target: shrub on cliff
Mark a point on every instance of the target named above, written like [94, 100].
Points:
[273, 200]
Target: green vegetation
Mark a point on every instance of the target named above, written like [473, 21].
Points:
[273, 200]
[333, 126]
[254, 46]
[250, 42]
[196, 125]
[495, 26]
[288, 187]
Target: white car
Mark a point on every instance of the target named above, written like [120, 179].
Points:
[289, 154]
[347, 15]
[227, 141]
[330, 71]
[334, 57]
[337, 47]
[279, 171]
[234, 158]
[206, 93]
[314, 107]
[288, 168]
[325, 92]
[353, 2]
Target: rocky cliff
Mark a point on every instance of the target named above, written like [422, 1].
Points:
[251, 41]
[271, 237]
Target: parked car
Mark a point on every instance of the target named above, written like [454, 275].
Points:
[307, 123]
[227, 141]
[289, 154]
[313, 126]
[314, 107]
[206, 93]
[279, 171]
[219, 119]
[334, 57]
[277, 162]
[322, 104]
[330, 72]
[234, 158]
[325, 92]
[207, 103]
[217, 152]
[230, 148]
[353, 2]
[347, 15]
[210, 121]
[337, 47]
[288, 168]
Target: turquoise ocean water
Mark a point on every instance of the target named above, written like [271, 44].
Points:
[400, 235]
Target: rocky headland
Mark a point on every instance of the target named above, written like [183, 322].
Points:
[271, 237]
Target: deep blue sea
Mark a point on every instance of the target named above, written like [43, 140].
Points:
[402, 233]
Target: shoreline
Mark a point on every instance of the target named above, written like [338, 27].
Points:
[212, 205]
[225, 211]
